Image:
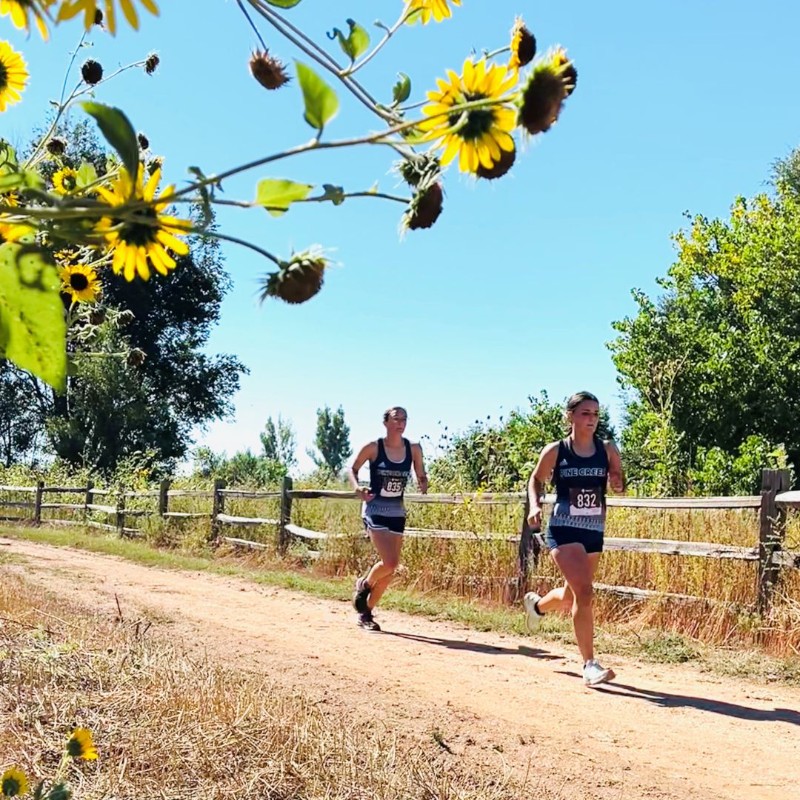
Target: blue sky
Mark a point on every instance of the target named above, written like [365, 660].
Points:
[680, 106]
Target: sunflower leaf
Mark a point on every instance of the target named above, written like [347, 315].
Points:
[277, 194]
[32, 326]
[87, 175]
[118, 132]
[401, 91]
[355, 43]
[321, 102]
[283, 3]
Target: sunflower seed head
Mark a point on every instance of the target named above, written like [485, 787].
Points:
[499, 168]
[523, 44]
[425, 207]
[297, 280]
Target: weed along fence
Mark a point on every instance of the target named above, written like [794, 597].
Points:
[122, 512]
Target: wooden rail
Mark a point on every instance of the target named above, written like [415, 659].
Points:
[768, 554]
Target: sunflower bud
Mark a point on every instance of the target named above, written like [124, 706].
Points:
[56, 146]
[97, 316]
[151, 63]
[144, 142]
[523, 45]
[425, 207]
[92, 71]
[267, 70]
[499, 168]
[297, 280]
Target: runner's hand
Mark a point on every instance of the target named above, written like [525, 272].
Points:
[365, 494]
[535, 518]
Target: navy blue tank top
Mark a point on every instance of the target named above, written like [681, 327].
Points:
[387, 481]
[580, 487]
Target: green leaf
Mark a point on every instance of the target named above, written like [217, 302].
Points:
[333, 193]
[87, 175]
[33, 330]
[276, 194]
[356, 43]
[118, 132]
[283, 3]
[401, 91]
[320, 100]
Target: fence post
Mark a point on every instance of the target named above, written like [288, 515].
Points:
[163, 497]
[771, 532]
[528, 551]
[88, 499]
[217, 507]
[286, 513]
[37, 503]
[121, 513]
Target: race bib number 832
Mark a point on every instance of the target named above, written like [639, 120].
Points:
[585, 503]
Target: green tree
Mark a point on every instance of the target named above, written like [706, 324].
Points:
[719, 350]
[332, 441]
[278, 443]
[499, 456]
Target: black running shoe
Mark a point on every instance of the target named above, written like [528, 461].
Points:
[367, 622]
[360, 596]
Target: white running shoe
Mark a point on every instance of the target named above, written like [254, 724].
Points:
[594, 674]
[532, 616]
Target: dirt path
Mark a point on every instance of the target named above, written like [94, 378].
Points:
[498, 702]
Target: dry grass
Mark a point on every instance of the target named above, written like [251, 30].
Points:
[169, 726]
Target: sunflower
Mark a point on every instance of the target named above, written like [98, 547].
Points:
[13, 75]
[143, 241]
[71, 8]
[13, 783]
[478, 136]
[425, 9]
[80, 745]
[80, 282]
[19, 10]
[65, 181]
[13, 231]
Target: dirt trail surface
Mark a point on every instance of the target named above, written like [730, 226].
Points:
[498, 703]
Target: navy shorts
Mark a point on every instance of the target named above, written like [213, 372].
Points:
[378, 522]
[592, 541]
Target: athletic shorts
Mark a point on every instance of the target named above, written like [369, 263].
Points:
[377, 522]
[592, 541]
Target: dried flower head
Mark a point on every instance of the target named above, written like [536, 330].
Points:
[298, 279]
[268, 70]
[151, 64]
[92, 71]
[56, 146]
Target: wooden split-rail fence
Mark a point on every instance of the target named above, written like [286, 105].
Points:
[769, 554]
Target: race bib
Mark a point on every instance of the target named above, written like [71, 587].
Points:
[585, 502]
[393, 487]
